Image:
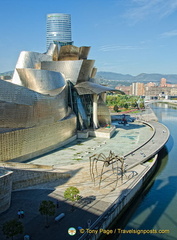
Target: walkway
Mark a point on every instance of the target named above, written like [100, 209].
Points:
[150, 148]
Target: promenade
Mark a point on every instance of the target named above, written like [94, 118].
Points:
[137, 142]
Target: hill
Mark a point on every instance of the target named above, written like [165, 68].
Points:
[113, 79]
[9, 73]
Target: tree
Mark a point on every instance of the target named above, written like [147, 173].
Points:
[12, 228]
[126, 105]
[116, 108]
[47, 208]
[141, 105]
[72, 194]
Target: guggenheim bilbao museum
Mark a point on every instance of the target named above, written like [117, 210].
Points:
[51, 98]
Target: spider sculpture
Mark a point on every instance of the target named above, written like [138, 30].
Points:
[107, 161]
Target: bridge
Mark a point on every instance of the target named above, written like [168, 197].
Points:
[160, 101]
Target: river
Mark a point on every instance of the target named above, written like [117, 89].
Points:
[156, 207]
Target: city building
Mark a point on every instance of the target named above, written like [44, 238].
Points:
[157, 91]
[138, 89]
[58, 29]
[125, 89]
[150, 84]
[163, 82]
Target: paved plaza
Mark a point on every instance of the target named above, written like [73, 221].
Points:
[124, 140]
[75, 158]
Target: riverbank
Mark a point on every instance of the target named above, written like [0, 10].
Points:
[154, 209]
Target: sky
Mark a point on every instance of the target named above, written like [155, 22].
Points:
[126, 36]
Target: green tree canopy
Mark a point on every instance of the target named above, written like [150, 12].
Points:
[126, 105]
[12, 228]
[116, 108]
[122, 101]
[141, 104]
[47, 208]
[72, 194]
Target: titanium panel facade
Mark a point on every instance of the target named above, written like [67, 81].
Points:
[83, 52]
[42, 81]
[91, 88]
[27, 143]
[86, 70]
[28, 60]
[43, 105]
[70, 69]
[22, 107]
[53, 51]
[68, 52]
[16, 94]
[94, 71]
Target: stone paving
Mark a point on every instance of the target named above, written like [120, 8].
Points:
[125, 139]
[95, 200]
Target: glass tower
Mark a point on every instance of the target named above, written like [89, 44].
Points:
[59, 29]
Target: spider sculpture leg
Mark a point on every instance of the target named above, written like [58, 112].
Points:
[101, 174]
[96, 169]
[122, 171]
[101, 158]
[117, 173]
[94, 162]
[90, 159]
[112, 167]
[91, 165]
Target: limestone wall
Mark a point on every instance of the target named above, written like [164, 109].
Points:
[103, 113]
[25, 178]
[30, 142]
[5, 189]
[29, 166]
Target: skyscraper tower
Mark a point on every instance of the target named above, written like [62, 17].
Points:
[59, 29]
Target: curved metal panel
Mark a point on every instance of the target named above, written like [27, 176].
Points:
[83, 52]
[52, 109]
[53, 51]
[30, 142]
[15, 116]
[10, 92]
[68, 52]
[42, 81]
[94, 71]
[91, 88]
[22, 107]
[70, 69]
[86, 70]
[28, 60]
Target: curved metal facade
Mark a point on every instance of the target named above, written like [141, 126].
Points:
[28, 60]
[22, 107]
[91, 88]
[36, 113]
[42, 81]
[70, 69]
[68, 52]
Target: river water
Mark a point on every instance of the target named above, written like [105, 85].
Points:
[156, 208]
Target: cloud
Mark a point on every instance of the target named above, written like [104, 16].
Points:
[138, 10]
[107, 48]
[169, 34]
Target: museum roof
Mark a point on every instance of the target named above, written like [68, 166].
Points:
[91, 88]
